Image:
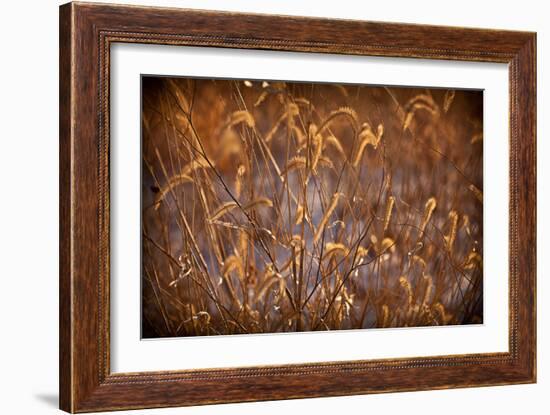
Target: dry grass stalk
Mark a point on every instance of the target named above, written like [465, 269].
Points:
[240, 117]
[367, 137]
[333, 248]
[264, 210]
[408, 290]
[478, 193]
[451, 236]
[448, 100]
[389, 209]
[326, 216]
[419, 102]
[229, 206]
[429, 208]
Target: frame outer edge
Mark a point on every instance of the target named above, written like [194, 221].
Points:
[66, 120]
[528, 129]
[82, 388]
[534, 172]
[523, 113]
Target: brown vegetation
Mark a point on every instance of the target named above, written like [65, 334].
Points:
[281, 207]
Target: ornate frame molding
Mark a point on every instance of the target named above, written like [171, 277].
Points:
[86, 33]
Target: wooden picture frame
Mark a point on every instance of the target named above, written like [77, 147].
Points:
[86, 33]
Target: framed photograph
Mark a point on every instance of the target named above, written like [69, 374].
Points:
[259, 207]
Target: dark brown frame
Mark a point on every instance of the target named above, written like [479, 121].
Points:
[86, 33]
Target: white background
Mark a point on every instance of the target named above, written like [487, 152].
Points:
[29, 208]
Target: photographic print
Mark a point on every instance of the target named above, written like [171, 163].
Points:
[272, 206]
[311, 197]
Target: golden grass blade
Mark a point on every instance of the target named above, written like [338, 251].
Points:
[477, 193]
[229, 206]
[417, 259]
[332, 248]
[185, 176]
[334, 142]
[451, 236]
[264, 287]
[292, 111]
[298, 162]
[174, 181]
[367, 137]
[389, 209]
[429, 289]
[385, 315]
[260, 201]
[429, 208]
[404, 282]
[440, 310]
[326, 217]
[346, 112]
[233, 263]
[299, 214]
[222, 210]
[240, 117]
[387, 244]
[448, 100]
[424, 102]
[473, 260]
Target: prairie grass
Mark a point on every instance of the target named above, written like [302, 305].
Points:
[281, 207]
